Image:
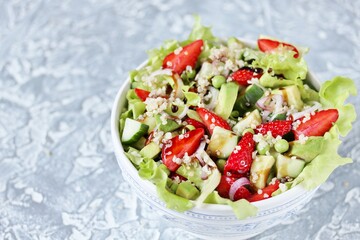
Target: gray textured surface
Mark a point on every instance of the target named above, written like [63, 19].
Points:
[61, 64]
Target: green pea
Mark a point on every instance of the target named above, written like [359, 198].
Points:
[220, 163]
[248, 130]
[191, 74]
[218, 80]
[235, 114]
[281, 146]
[262, 150]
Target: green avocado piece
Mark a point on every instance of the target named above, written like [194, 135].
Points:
[138, 107]
[250, 121]
[222, 143]
[307, 151]
[187, 190]
[191, 172]
[151, 150]
[260, 170]
[226, 100]
[170, 125]
[291, 95]
[286, 166]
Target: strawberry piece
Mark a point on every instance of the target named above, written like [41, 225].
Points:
[318, 124]
[242, 76]
[277, 127]
[142, 94]
[239, 161]
[179, 145]
[266, 192]
[268, 45]
[211, 120]
[224, 188]
[186, 57]
[195, 123]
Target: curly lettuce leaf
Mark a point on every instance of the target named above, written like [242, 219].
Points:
[283, 63]
[242, 208]
[320, 168]
[333, 94]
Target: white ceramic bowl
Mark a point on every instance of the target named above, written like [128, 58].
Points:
[211, 221]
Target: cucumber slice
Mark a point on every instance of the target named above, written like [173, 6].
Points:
[247, 101]
[151, 122]
[286, 166]
[133, 131]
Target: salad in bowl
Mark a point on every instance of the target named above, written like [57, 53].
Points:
[213, 121]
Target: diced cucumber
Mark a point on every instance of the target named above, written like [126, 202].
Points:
[151, 150]
[247, 101]
[226, 99]
[222, 142]
[260, 170]
[187, 190]
[286, 166]
[133, 131]
[250, 121]
[139, 144]
[151, 122]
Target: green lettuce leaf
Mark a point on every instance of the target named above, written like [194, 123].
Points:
[320, 168]
[333, 94]
[308, 150]
[242, 208]
[134, 156]
[283, 62]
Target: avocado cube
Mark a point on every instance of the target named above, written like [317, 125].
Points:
[151, 150]
[286, 166]
[187, 190]
[226, 100]
[250, 121]
[222, 143]
[260, 170]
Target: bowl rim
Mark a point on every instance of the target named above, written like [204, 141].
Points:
[126, 165]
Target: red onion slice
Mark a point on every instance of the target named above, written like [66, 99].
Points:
[236, 185]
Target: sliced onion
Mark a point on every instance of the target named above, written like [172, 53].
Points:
[298, 115]
[204, 175]
[261, 102]
[214, 98]
[161, 72]
[279, 100]
[198, 152]
[236, 185]
[178, 86]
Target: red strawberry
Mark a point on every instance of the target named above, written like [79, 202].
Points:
[224, 188]
[211, 120]
[239, 161]
[195, 123]
[186, 57]
[142, 94]
[179, 145]
[267, 45]
[266, 192]
[277, 127]
[318, 124]
[242, 76]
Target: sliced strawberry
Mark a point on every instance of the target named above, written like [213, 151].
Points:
[242, 76]
[211, 120]
[142, 94]
[179, 145]
[268, 45]
[195, 123]
[186, 57]
[224, 188]
[239, 161]
[266, 192]
[318, 124]
[277, 127]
